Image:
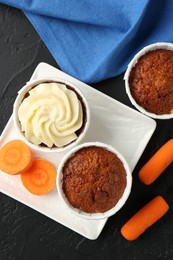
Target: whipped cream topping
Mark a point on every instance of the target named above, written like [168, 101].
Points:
[51, 115]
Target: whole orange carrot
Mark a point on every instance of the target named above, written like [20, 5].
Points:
[144, 218]
[157, 163]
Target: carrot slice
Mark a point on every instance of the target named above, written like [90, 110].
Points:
[157, 163]
[15, 157]
[40, 179]
[144, 218]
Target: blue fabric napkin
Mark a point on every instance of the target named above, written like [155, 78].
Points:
[93, 40]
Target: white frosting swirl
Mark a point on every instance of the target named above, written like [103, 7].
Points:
[51, 115]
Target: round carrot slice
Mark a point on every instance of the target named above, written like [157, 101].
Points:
[40, 179]
[15, 157]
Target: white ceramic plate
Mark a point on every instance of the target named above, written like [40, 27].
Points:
[111, 122]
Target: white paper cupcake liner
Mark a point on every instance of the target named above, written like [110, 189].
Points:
[121, 201]
[21, 94]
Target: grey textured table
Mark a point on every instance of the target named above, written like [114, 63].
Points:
[26, 234]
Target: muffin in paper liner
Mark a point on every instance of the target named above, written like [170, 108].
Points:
[120, 202]
[134, 61]
[23, 93]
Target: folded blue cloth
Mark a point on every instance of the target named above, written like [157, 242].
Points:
[93, 40]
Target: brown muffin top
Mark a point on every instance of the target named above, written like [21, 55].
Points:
[94, 179]
[151, 81]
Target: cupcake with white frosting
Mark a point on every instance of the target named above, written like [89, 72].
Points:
[51, 115]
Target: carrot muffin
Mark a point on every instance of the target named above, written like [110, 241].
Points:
[94, 179]
[151, 81]
[52, 114]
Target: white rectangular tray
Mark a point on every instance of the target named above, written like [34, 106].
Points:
[111, 122]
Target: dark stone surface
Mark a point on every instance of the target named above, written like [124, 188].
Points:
[26, 234]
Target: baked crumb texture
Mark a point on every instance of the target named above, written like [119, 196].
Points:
[94, 179]
[151, 81]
